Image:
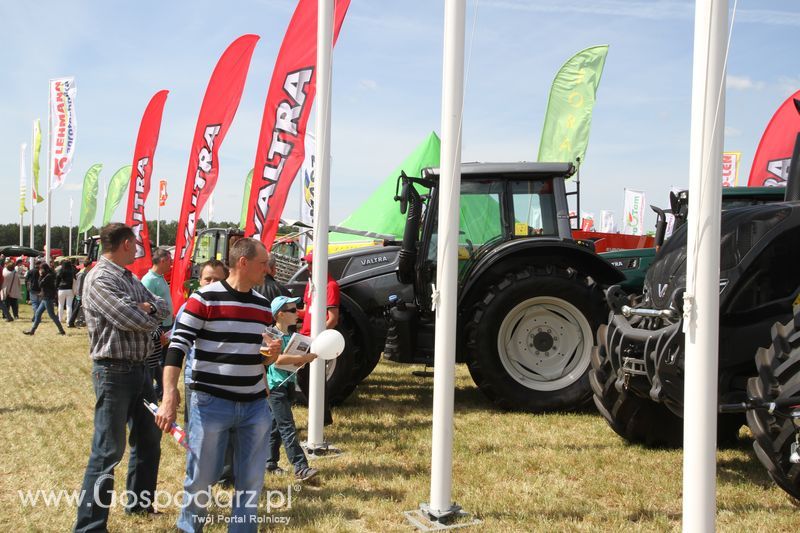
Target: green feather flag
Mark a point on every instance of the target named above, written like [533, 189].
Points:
[117, 188]
[37, 148]
[569, 110]
[247, 183]
[89, 200]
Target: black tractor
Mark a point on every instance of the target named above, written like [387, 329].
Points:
[530, 297]
[638, 368]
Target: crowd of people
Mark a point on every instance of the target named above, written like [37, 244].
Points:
[52, 287]
[237, 389]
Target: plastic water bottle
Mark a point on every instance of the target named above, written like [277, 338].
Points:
[177, 432]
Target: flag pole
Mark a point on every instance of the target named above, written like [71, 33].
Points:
[441, 506]
[22, 183]
[158, 218]
[319, 274]
[48, 208]
[701, 299]
[33, 192]
[69, 240]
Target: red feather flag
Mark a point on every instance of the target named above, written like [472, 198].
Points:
[291, 92]
[139, 187]
[771, 163]
[216, 114]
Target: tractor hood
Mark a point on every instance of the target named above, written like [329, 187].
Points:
[741, 231]
[355, 265]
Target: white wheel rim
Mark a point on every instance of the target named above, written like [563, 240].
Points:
[544, 343]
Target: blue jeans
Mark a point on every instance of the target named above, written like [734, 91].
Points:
[210, 425]
[284, 429]
[227, 467]
[120, 388]
[35, 299]
[46, 303]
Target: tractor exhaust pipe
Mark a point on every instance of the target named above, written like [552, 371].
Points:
[793, 179]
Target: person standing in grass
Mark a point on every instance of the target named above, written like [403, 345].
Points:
[120, 316]
[32, 280]
[154, 282]
[11, 290]
[211, 271]
[280, 381]
[225, 323]
[65, 279]
[47, 300]
[80, 277]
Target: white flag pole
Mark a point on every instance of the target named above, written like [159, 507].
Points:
[48, 184]
[22, 183]
[445, 296]
[701, 300]
[34, 201]
[158, 217]
[319, 274]
[70, 227]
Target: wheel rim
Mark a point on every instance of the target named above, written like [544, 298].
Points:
[544, 343]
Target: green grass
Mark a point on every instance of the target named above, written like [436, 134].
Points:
[514, 471]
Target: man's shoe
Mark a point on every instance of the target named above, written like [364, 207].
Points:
[276, 471]
[62, 332]
[28, 332]
[304, 474]
[142, 511]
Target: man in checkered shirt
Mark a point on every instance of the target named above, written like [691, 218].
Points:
[120, 316]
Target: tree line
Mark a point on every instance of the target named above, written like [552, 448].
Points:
[9, 234]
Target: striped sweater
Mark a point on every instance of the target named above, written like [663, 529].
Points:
[224, 326]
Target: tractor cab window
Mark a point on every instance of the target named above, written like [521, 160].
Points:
[481, 218]
[534, 208]
[204, 248]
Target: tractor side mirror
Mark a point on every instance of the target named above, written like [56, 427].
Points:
[402, 197]
[661, 225]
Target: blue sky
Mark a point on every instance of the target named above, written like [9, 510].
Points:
[387, 87]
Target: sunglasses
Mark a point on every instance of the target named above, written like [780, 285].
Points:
[289, 310]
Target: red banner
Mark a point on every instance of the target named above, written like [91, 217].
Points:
[216, 113]
[139, 186]
[771, 163]
[162, 193]
[291, 92]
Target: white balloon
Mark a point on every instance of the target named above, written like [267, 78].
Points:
[328, 345]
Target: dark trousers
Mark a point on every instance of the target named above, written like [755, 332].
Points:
[120, 388]
[4, 308]
[13, 306]
[284, 430]
[46, 304]
[76, 307]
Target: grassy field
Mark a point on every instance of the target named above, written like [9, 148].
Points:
[516, 472]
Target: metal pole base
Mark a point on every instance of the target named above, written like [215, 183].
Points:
[318, 451]
[426, 519]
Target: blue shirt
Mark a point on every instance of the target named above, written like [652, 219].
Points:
[156, 284]
[276, 376]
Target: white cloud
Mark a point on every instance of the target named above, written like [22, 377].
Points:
[743, 83]
[662, 10]
[788, 86]
[368, 85]
[730, 131]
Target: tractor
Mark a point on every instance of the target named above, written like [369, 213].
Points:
[530, 296]
[638, 366]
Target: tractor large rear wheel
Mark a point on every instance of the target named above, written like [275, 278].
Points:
[778, 378]
[530, 338]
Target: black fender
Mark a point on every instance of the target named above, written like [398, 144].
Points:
[517, 253]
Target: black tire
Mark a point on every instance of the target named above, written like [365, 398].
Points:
[635, 419]
[509, 383]
[342, 380]
[778, 377]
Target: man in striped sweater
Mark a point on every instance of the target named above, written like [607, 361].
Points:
[225, 322]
